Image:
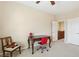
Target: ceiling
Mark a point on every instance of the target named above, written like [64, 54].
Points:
[60, 8]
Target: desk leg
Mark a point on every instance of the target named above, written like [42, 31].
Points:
[50, 42]
[32, 48]
[28, 43]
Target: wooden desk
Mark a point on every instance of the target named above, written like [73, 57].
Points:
[37, 38]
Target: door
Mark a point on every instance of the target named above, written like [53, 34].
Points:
[73, 31]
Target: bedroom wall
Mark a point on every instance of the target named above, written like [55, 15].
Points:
[1, 18]
[18, 20]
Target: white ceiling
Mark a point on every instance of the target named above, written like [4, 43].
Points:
[60, 8]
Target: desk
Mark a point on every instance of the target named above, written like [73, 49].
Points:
[37, 38]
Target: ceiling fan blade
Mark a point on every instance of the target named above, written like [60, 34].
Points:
[52, 2]
[37, 2]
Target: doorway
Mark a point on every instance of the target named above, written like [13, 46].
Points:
[61, 30]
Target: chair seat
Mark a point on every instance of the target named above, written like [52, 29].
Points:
[43, 44]
[11, 49]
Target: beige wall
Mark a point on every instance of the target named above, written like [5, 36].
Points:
[1, 14]
[61, 26]
[18, 20]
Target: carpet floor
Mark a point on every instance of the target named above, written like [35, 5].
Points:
[58, 49]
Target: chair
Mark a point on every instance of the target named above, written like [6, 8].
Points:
[43, 44]
[9, 46]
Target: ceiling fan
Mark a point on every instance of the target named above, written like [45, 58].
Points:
[52, 2]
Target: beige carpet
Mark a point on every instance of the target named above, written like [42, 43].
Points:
[58, 49]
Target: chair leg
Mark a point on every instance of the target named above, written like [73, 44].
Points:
[11, 54]
[47, 49]
[20, 50]
[42, 49]
[39, 48]
[3, 53]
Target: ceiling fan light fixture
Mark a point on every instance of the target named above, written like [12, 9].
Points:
[52, 2]
[37, 2]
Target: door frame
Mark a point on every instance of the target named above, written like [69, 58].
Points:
[65, 29]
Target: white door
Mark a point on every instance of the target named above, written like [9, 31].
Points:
[54, 30]
[73, 31]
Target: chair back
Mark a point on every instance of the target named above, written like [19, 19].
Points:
[44, 40]
[6, 41]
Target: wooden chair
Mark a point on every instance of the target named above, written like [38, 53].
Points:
[9, 46]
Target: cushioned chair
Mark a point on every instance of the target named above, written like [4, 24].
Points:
[43, 44]
[9, 46]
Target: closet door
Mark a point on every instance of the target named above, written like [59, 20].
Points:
[73, 31]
